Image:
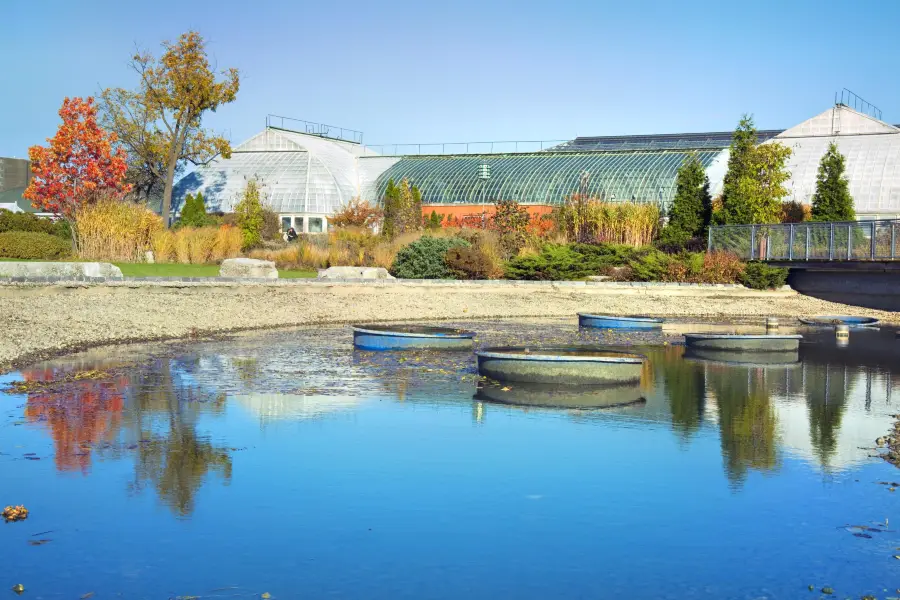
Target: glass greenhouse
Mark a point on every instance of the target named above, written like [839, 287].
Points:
[307, 175]
[305, 178]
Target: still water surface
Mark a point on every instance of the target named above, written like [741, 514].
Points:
[287, 463]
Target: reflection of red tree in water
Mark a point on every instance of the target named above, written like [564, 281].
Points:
[79, 414]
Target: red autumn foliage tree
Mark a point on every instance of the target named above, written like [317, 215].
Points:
[79, 166]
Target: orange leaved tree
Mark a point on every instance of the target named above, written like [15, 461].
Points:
[79, 166]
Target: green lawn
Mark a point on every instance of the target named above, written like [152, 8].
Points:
[179, 270]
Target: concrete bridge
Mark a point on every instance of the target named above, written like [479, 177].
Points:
[855, 262]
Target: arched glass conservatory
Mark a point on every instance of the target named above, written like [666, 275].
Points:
[304, 178]
[543, 177]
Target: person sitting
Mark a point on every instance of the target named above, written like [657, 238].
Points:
[291, 235]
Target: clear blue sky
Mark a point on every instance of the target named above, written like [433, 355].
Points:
[419, 71]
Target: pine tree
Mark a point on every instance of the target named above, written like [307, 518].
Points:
[187, 209]
[735, 205]
[200, 208]
[691, 209]
[832, 201]
[193, 213]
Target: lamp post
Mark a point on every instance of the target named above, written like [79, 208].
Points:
[484, 174]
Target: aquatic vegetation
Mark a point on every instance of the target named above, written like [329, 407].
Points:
[14, 513]
[35, 385]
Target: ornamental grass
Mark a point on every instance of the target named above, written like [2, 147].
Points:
[197, 245]
[595, 221]
[114, 230]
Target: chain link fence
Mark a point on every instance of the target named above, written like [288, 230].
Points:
[856, 240]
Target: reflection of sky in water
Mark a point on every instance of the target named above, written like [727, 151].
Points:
[289, 463]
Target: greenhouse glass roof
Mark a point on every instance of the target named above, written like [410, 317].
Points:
[297, 173]
[542, 177]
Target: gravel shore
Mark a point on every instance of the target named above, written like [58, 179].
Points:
[42, 321]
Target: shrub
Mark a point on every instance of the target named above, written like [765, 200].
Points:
[722, 267]
[115, 230]
[10, 221]
[569, 261]
[511, 221]
[761, 276]
[650, 265]
[249, 214]
[357, 213]
[795, 212]
[715, 267]
[424, 258]
[32, 245]
[402, 208]
[467, 262]
[434, 221]
[271, 229]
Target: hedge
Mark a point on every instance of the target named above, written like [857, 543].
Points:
[425, 258]
[33, 246]
[10, 221]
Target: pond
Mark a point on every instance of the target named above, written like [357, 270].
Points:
[288, 465]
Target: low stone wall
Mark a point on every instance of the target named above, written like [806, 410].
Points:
[405, 283]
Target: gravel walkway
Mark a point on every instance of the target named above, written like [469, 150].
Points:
[41, 321]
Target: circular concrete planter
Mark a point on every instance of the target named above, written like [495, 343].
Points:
[569, 365]
[833, 321]
[411, 337]
[569, 397]
[742, 343]
[614, 322]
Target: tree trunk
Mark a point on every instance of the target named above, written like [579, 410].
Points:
[167, 191]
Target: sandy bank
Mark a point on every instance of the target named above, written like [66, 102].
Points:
[38, 321]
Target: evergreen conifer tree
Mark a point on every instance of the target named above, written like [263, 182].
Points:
[735, 205]
[193, 213]
[390, 205]
[832, 201]
[691, 209]
[250, 216]
[754, 184]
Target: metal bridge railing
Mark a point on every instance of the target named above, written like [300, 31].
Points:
[846, 241]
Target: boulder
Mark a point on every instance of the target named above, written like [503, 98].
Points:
[60, 269]
[355, 273]
[248, 267]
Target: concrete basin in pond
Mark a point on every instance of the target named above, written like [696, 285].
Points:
[614, 322]
[551, 395]
[744, 359]
[834, 321]
[411, 337]
[568, 365]
[742, 342]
